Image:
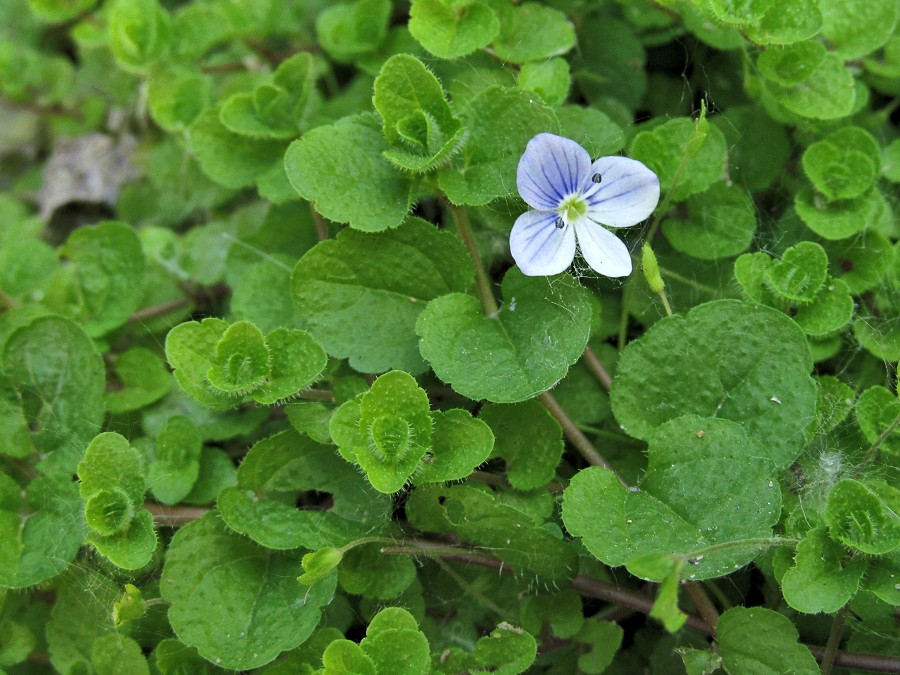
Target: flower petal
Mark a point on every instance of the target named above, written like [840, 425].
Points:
[602, 250]
[539, 247]
[551, 168]
[627, 192]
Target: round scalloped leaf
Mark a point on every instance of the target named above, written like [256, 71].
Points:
[140, 32]
[524, 350]
[838, 219]
[722, 223]
[824, 89]
[664, 149]
[240, 362]
[742, 362]
[360, 294]
[295, 359]
[176, 95]
[108, 511]
[831, 310]
[340, 167]
[759, 640]
[58, 379]
[189, 350]
[41, 530]
[856, 28]
[109, 267]
[792, 65]
[739, 12]
[176, 467]
[459, 443]
[507, 649]
[131, 548]
[800, 273]
[110, 461]
[823, 578]
[263, 503]
[366, 571]
[791, 21]
[449, 31]
[144, 380]
[261, 610]
[532, 32]
[708, 485]
[548, 79]
[861, 262]
[529, 438]
[844, 164]
[876, 410]
[352, 30]
[862, 519]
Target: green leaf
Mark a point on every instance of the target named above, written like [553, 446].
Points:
[263, 503]
[735, 361]
[838, 219]
[877, 410]
[340, 167]
[240, 363]
[114, 653]
[739, 12]
[862, 261]
[708, 499]
[131, 548]
[366, 571]
[721, 223]
[57, 378]
[393, 431]
[860, 518]
[759, 640]
[318, 564]
[144, 380]
[59, 11]
[823, 578]
[831, 310]
[449, 29]
[856, 28]
[800, 273]
[176, 468]
[525, 349]
[548, 79]
[508, 650]
[262, 610]
[665, 607]
[176, 96]
[109, 268]
[360, 294]
[110, 461]
[129, 607]
[296, 360]
[529, 438]
[343, 657]
[531, 32]
[665, 150]
[189, 350]
[844, 164]
[562, 611]
[604, 639]
[592, 129]
[459, 445]
[500, 121]
[836, 400]
[263, 295]
[788, 22]
[140, 32]
[40, 530]
[108, 511]
[808, 81]
[349, 31]
[230, 159]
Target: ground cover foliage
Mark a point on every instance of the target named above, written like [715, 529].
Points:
[274, 397]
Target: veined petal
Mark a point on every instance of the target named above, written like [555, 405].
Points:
[539, 247]
[551, 168]
[627, 192]
[602, 250]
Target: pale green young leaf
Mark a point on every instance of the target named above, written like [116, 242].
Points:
[340, 167]
[131, 548]
[108, 511]
[785, 23]
[112, 654]
[856, 28]
[741, 362]
[722, 223]
[814, 84]
[525, 349]
[345, 657]
[176, 96]
[836, 401]
[59, 11]
[110, 461]
[844, 164]
[830, 311]
[863, 519]
[450, 30]
[176, 466]
[241, 361]
[296, 359]
[459, 445]
[838, 219]
[360, 294]
[738, 12]
[140, 33]
[263, 610]
[319, 563]
[548, 79]
[189, 349]
[351, 30]
[800, 273]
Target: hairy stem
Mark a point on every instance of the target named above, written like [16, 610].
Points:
[482, 282]
[593, 363]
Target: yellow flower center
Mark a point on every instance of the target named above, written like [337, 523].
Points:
[572, 208]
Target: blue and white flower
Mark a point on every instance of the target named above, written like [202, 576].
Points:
[574, 201]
